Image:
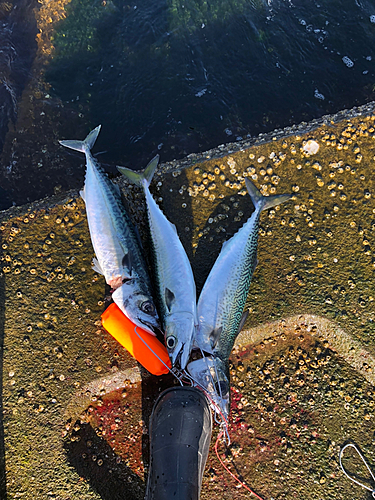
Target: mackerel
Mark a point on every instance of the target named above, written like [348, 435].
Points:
[221, 304]
[119, 256]
[174, 278]
[223, 297]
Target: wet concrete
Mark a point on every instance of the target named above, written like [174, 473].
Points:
[76, 406]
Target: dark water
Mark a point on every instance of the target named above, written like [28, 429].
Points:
[182, 76]
[17, 51]
[185, 75]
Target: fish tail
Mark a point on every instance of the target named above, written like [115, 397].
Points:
[84, 145]
[263, 202]
[142, 177]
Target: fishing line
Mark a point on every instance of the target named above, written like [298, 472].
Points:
[195, 383]
[173, 371]
[212, 379]
[179, 375]
[229, 471]
[366, 464]
[215, 405]
[223, 424]
[216, 374]
[217, 411]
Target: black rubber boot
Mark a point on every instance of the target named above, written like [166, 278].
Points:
[180, 435]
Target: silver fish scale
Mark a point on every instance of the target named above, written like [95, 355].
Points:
[157, 281]
[167, 270]
[125, 231]
[237, 296]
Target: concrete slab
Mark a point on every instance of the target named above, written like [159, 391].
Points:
[76, 406]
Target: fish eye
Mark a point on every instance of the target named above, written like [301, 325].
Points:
[148, 307]
[171, 342]
[222, 387]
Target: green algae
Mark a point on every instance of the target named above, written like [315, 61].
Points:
[195, 14]
[78, 32]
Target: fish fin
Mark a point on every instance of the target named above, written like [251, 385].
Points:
[150, 169]
[117, 188]
[84, 145]
[224, 244]
[214, 335]
[134, 177]
[143, 177]
[173, 227]
[169, 298]
[255, 195]
[127, 262]
[82, 193]
[92, 136]
[96, 266]
[261, 202]
[243, 319]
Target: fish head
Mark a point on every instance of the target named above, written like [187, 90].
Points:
[179, 334]
[212, 375]
[137, 306]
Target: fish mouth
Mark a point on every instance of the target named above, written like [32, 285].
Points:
[176, 359]
[154, 329]
[180, 357]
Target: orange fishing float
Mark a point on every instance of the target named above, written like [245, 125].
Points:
[153, 356]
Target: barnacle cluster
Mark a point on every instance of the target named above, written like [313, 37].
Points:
[294, 402]
[298, 392]
[307, 246]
